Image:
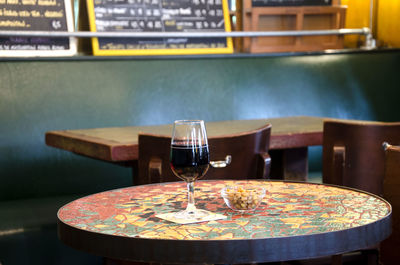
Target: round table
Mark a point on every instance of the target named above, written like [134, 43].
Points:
[295, 221]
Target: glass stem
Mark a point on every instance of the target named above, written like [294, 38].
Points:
[190, 208]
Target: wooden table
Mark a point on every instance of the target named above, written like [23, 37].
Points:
[290, 138]
[296, 220]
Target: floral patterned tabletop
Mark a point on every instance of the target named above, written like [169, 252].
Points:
[288, 209]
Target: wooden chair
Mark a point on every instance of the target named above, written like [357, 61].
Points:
[353, 157]
[390, 248]
[239, 156]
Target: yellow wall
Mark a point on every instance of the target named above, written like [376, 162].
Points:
[385, 26]
[388, 24]
[357, 16]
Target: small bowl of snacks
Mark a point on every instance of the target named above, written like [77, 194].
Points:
[243, 198]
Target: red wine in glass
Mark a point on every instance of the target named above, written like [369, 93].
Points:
[189, 163]
[189, 160]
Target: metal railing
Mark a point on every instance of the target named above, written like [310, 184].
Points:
[369, 42]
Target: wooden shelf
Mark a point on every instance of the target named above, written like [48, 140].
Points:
[289, 18]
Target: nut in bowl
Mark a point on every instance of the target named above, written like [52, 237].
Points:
[243, 198]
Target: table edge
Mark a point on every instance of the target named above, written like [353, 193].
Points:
[113, 151]
[261, 250]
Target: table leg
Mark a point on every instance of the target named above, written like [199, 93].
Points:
[135, 172]
[289, 164]
[337, 259]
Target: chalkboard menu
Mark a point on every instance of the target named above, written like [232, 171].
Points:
[159, 16]
[36, 15]
[291, 2]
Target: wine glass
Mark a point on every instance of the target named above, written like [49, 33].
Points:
[189, 161]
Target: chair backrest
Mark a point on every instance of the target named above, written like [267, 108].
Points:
[390, 248]
[353, 155]
[248, 151]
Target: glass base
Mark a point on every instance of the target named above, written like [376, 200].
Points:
[183, 217]
[195, 215]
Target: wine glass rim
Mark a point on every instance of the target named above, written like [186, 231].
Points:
[188, 121]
